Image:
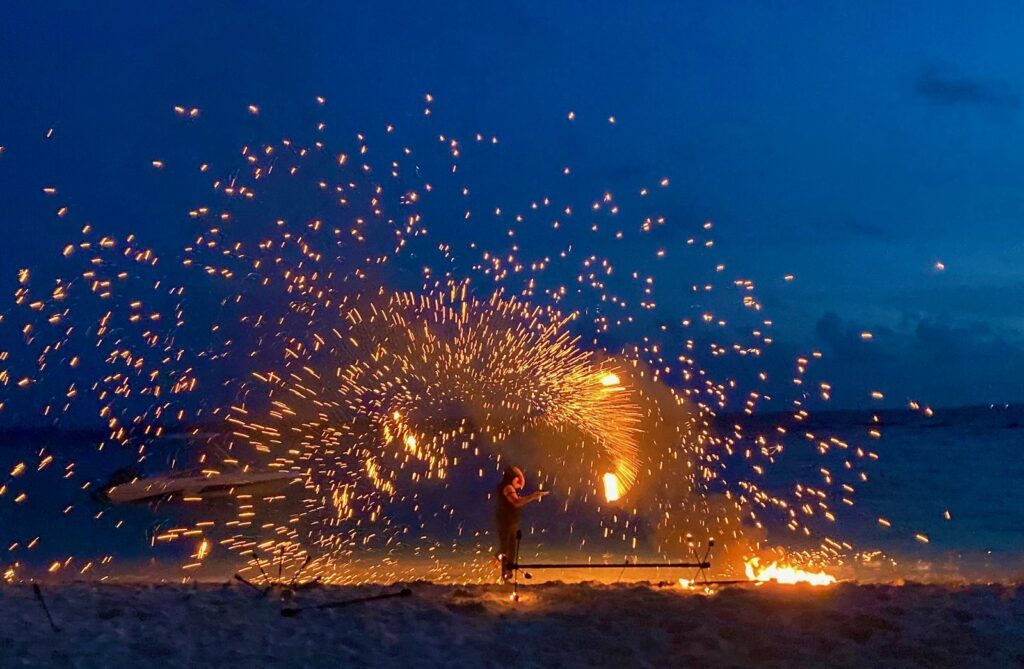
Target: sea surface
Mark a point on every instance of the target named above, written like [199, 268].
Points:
[954, 478]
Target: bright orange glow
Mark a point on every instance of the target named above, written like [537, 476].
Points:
[611, 487]
[610, 379]
[787, 575]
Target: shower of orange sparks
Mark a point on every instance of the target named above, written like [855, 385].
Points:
[424, 350]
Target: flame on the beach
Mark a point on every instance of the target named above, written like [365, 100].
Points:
[786, 575]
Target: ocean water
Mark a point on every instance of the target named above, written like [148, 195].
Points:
[967, 462]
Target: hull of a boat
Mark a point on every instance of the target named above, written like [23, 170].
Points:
[200, 486]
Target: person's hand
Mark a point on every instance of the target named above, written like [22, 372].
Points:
[540, 494]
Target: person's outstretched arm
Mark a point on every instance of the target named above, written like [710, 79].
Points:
[515, 500]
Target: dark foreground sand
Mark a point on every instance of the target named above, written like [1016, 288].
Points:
[555, 625]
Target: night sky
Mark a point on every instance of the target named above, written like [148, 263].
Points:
[853, 145]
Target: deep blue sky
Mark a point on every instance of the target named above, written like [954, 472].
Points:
[851, 144]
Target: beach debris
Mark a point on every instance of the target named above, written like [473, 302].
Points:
[291, 612]
[42, 602]
[298, 573]
[259, 565]
[243, 580]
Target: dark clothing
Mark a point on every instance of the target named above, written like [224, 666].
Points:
[506, 518]
[506, 513]
[507, 539]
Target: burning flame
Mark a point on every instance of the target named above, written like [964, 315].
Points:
[611, 487]
[787, 575]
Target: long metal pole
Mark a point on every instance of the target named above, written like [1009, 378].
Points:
[629, 565]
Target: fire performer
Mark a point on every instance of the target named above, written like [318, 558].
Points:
[506, 516]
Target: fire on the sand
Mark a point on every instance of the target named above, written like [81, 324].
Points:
[787, 575]
[775, 573]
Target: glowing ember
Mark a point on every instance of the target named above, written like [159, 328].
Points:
[786, 575]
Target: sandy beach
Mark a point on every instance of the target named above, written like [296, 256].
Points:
[554, 625]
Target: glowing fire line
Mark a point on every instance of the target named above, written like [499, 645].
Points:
[785, 575]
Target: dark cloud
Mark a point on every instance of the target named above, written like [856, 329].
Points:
[929, 359]
[869, 230]
[991, 302]
[845, 341]
[941, 87]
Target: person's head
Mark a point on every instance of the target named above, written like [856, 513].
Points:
[513, 476]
